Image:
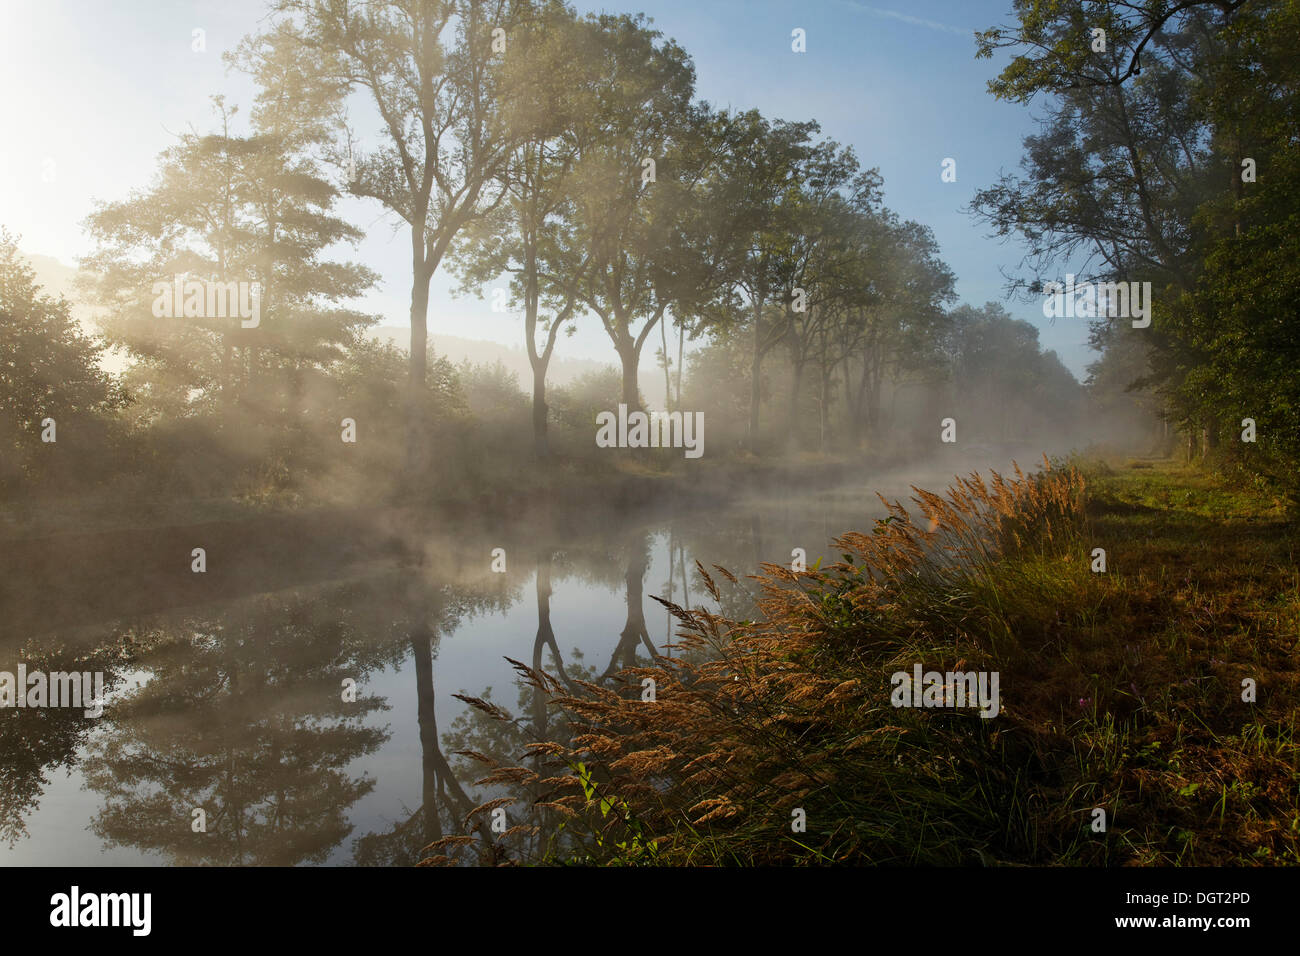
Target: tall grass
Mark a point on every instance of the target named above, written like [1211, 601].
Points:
[753, 722]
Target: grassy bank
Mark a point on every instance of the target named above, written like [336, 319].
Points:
[1120, 691]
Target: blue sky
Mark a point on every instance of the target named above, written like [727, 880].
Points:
[98, 89]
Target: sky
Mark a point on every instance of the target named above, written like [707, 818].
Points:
[94, 91]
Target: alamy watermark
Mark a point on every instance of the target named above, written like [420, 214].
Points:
[84, 689]
[75, 908]
[946, 689]
[651, 430]
[189, 298]
[1092, 300]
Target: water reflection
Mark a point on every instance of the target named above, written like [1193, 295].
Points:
[242, 717]
[237, 706]
[36, 742]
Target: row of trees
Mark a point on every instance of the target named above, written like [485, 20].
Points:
[1167, 153]
[570, 154]
[517, 141]
[893, 386]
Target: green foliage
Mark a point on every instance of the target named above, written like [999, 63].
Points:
[634, 848]
[1140, 167]
[49, 368]
[577, 403]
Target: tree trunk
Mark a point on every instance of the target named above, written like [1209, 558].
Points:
[627, 354]
[877, 382]
[796, 383]
[860, 405]
[540, 361]
[422, 654]
[668, 381]
[634, 632]
[415, 435]
[755, 377]
[545, 638]
[825, 409]
[681, 342]
[850, 413]
[541, 441]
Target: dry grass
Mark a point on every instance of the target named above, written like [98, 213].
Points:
[1112, 697]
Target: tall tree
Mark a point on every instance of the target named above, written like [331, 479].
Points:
[643, 152]
[49, 369]
[537, 176]
[903, 328]
[815, 265]
[1149, 160]
[429, 72]
[228, 208]
[764, 171]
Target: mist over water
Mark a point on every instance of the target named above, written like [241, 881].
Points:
[208, 685]
[224, 704]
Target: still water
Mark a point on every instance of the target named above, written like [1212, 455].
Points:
[228, 702]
